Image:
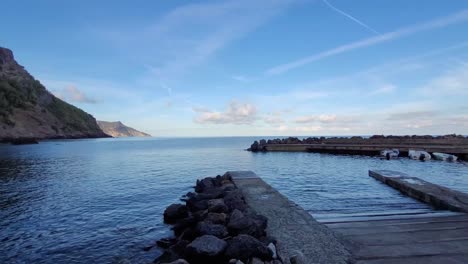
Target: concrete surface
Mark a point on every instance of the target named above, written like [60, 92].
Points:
[297, 232]
[368, 149]
[438, 196]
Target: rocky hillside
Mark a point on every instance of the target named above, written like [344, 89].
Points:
[117, 129]
[28, 110]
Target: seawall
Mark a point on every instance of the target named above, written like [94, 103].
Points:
[301, 239]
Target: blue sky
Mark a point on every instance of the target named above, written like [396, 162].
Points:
[235, 68]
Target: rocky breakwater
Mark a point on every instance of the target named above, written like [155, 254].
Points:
[215, 225]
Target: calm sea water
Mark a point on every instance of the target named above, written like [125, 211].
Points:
[101, 201]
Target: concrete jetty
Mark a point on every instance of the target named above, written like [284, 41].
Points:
[456, 145]
[438, 196]
[301, 239]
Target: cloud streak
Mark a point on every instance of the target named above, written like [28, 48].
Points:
[339, 11]
[455, 18]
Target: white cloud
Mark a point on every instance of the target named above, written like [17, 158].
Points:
[384, 89]
[316, 118]
[458, 17]
[236, 113]
[273, 118]
[74, 95]
[453, 82]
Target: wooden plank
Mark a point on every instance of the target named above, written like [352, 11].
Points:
[441, 226]
[417, 236]
[432, 259]
[419, 219]
[438, 196]
[413, 249]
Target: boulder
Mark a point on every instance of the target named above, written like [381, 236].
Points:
[254, 146]
[175, 212]
[235, 200]
[183, 224]
[197, 205]
[173, 253]
[179, 261]
[203, 185]
[272, 248]
[166, 242]
[244, 247]
[249, 223]
[206, 246]
[217, 206]
[256, 261]
[216, 218]
[204, 228]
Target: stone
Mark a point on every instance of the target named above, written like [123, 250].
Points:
[203, 185]
[272, 247]
[196, 205]
[166, 242]
[175, 212]
[235, 261]
[256, 261]
[179, 261]
[206, 246]
[217, 206]
[173, 253]
[250, 223]
[183, 224]
[235, 200]
[254, 146]
[216, 230]
[238, 221]
[216, 218]
[298, 259]
[244, 247]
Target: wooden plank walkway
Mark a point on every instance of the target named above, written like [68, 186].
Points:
[429, 237]
[442, 239]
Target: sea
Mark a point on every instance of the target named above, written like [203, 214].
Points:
[102, 200]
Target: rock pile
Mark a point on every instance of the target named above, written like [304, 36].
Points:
[215, 225]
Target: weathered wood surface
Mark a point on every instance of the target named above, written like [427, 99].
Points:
[298, 233]
[438, 196]
[416, 240]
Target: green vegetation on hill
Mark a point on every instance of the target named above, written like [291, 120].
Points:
[27, 109]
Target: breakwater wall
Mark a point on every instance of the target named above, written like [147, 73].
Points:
[452, 144]
[238, 218]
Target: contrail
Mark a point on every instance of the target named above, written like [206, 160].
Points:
[350, 17]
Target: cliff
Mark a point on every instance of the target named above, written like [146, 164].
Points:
[117, 129]
[28, 110]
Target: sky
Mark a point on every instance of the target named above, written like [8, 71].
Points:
[251, 68]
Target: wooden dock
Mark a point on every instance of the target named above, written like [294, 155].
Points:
[425, 237]
[437, 237]
[441, 239]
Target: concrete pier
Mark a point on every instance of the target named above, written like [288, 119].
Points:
[368, 149]
[300, 237]
[438, 196]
